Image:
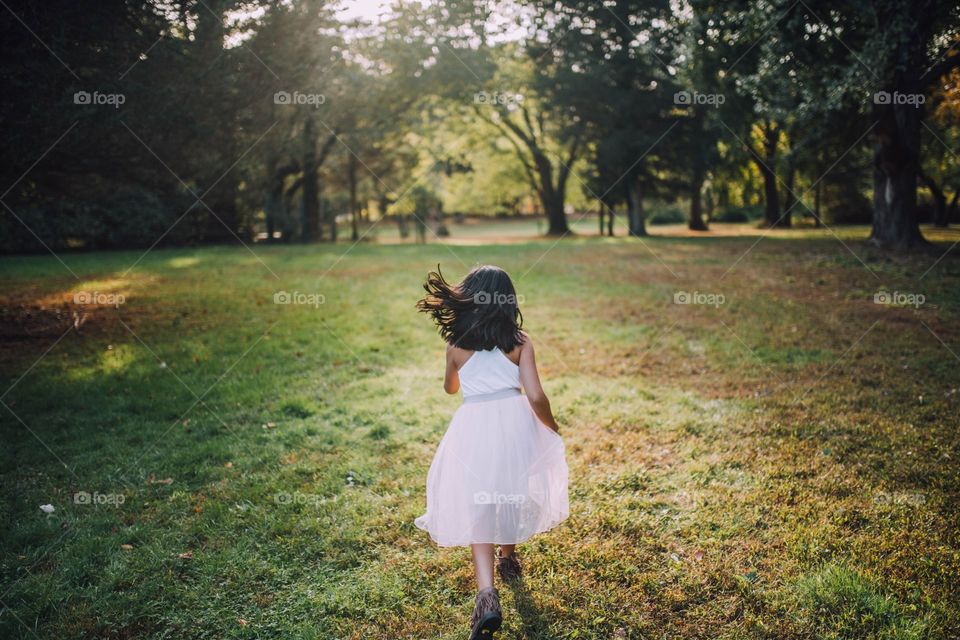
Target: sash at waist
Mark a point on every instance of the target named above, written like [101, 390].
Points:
[496, 395]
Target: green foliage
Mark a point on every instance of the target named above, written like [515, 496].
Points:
[845, 204]
[596, 114]
[667, 214]
[738, 214]
[125, 219]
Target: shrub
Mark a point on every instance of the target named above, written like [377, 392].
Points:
[670, 214]
[845, 204]
[125, 218]
[739, 214]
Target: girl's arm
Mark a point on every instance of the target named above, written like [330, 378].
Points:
[451, 379]
[530, 380]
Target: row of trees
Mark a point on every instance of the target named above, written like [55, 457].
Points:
[821, 98]
[135, 122]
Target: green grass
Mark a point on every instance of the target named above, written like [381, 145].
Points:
[782, 465]
[842, 605]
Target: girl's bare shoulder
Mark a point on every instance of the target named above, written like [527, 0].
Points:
[457, 355]
[518, 350]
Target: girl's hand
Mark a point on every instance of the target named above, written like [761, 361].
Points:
[553, 427]
[451, 377]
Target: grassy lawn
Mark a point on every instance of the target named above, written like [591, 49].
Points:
[784, 463]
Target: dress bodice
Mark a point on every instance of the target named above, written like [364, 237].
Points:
[488, 372]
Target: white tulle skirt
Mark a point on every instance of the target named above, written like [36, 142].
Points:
[499, 476]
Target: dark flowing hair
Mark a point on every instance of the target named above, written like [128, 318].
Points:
[479, 313]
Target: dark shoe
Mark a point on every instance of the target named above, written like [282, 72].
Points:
[487, 616]
[509, 567]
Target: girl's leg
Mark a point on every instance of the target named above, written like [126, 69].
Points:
[508, 566]
[483, 564]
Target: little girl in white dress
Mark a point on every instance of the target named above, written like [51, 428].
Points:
[499, 474]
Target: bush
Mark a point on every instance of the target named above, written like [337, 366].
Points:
[128, 218]
[670, 214]
[844, 203]
[739, 214]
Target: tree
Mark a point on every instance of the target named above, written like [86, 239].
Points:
[897, 52]
[547, 136]
[939, 172]
[623, 53]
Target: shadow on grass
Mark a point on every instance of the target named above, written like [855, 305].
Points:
[535, 623]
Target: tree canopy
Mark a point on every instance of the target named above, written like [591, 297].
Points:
[138, 123]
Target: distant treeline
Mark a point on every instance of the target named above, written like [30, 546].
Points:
[146, 123]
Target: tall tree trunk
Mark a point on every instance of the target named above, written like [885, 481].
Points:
[553, 203]
[940, 215]
[321, 210]
[896, 154]
[635, 213]
[222, 223]
[789, 196]
[332, 220]
[610, 215]
[723, 197]
[766, 161]
[207, 52]
[600, 213]
[771, 197]
[551, 197]
[696, 222]
[817, 200]
[273, 202]
[310, 190]
[270, 207]
[897, 134]
[383, 203]
[354, 212]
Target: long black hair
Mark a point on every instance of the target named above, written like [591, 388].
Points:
[479, 313]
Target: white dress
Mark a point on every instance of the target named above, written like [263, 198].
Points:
[499, 474]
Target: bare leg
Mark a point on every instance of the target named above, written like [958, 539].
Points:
[483, 564]
[506, 549]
